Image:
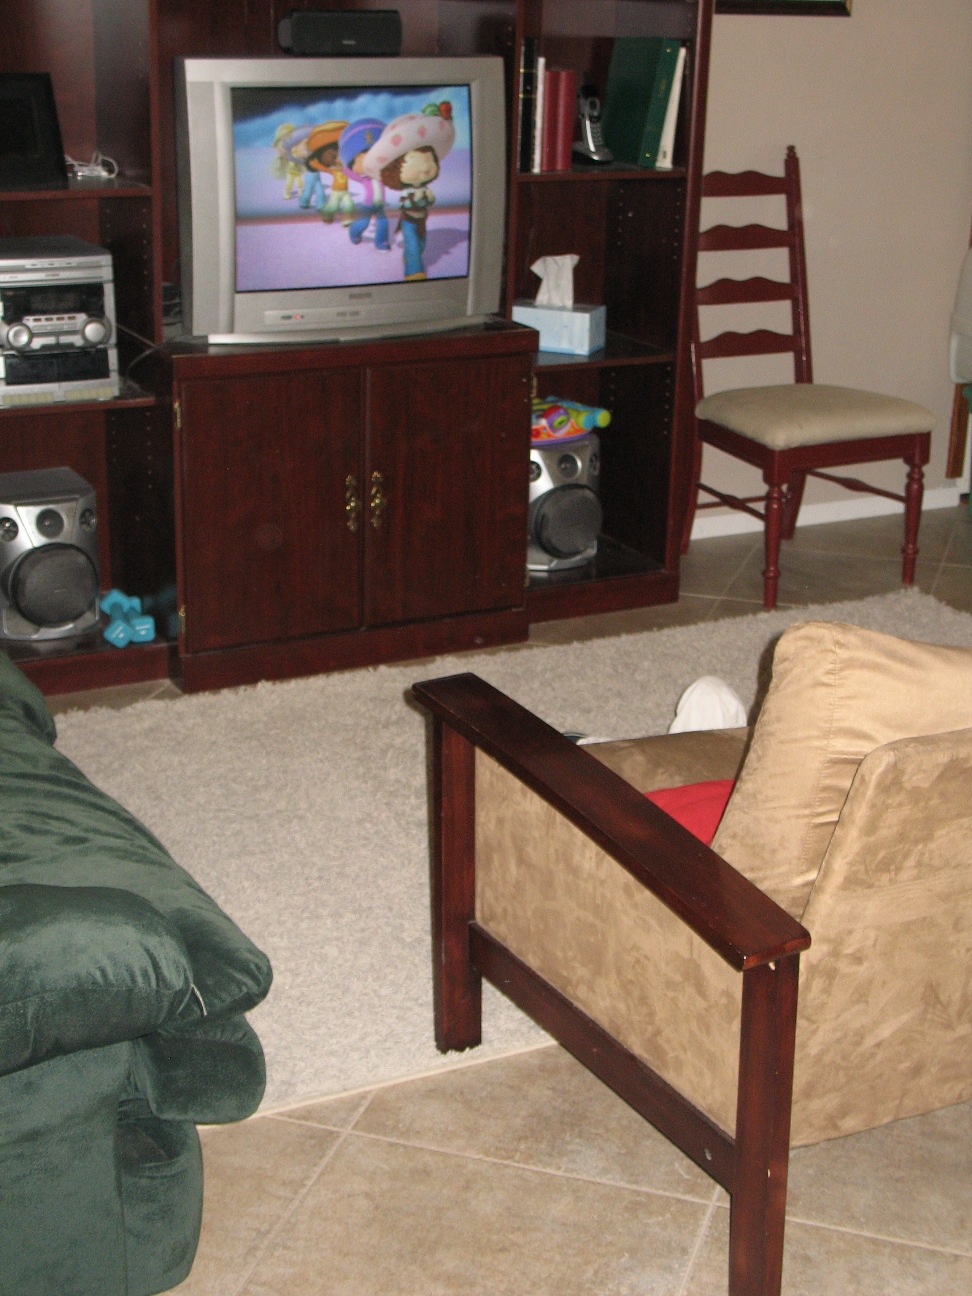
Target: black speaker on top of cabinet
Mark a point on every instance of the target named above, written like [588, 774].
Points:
[335, 33]
[48, 555]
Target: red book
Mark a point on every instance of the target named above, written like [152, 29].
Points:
[559, 114]
[566, 119]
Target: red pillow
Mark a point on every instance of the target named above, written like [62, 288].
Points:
[697, 806]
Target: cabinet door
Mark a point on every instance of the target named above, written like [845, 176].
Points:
[266, 545]
[446, 468]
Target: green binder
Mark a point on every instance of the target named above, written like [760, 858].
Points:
[639, 84]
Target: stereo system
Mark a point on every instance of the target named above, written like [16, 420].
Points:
[565, 513]
[48, 555]
[57, 321]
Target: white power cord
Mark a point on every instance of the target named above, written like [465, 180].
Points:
[99, 168]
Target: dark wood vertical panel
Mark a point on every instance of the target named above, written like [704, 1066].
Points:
[55, 36]
[457, 986]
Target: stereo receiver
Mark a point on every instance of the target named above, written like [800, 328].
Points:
[57, 321]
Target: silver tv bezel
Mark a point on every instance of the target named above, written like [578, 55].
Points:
[211, 307]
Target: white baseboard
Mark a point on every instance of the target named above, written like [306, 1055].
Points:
[709, 525]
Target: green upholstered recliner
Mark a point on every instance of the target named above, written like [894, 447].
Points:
[122, 993]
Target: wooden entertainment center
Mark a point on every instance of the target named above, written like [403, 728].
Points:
[316, 507]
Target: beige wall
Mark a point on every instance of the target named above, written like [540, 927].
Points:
[879, 106]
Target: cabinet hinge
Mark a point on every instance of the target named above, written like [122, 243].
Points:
[177, 414]
[182, 619]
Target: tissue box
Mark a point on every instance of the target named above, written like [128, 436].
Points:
[577, 330]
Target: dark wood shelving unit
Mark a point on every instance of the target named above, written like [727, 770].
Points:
[635, 231]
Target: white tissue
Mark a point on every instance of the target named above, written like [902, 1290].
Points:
[556, 275]
[709, 703]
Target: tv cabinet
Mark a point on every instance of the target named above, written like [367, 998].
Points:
[345, 505]
[169, 518]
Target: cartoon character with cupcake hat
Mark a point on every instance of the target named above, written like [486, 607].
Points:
[353, 147]
[407, 158]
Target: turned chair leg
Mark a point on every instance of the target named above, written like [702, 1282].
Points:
[457, 986]
[914, 490]
[791, 503]
[692, 506]
[774, 533]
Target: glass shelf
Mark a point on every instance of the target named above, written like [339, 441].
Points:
[619, 350]
[594, 171]
[131, 397]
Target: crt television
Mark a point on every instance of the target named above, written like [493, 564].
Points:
[329, 199]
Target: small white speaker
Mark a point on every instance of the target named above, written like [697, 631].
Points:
[48, 555]
[565, 513]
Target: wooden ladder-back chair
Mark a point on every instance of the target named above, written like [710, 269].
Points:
[800, 429]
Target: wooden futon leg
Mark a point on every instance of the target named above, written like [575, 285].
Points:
[457, 986]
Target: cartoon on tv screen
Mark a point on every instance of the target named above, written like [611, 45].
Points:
[343, 187]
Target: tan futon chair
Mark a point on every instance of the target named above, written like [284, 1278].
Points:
[671, 969]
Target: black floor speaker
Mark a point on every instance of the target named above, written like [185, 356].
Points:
[48, 555]
[333, 34]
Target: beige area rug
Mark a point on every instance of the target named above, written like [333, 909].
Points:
[301, 807]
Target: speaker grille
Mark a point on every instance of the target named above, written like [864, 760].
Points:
[54, 585]
[567, 521]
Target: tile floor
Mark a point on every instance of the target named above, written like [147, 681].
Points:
[524, 1176]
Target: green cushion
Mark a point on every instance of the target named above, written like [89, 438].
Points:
[212, 1072]
[81, 967]
[57, 830]
[23, 702]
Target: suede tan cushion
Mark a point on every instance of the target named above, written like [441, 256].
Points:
[884, 1029]
[798, 414]
[837, 692]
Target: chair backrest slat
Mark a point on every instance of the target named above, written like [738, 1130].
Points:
[756, 289]
[731, 292]
[741, 184]
[758, 342]
[743, 238]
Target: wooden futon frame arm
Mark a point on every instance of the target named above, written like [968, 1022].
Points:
[744, 926]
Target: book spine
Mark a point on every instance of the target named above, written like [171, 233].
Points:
[528, 102]
[565, 117]
[661, 92]
[666, 145]
[536, 163]
[559, 114]
[551, 82]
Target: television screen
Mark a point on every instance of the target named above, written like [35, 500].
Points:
[332, 199]
[347, 187]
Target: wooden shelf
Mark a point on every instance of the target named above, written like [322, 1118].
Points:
[116, 187]
[72, 665]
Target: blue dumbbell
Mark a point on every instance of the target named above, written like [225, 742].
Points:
[126, 624]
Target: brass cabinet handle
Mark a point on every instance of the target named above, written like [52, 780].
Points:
[352, 505]
[379, 499]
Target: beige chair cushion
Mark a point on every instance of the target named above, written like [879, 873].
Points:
[837, 692]
[885, 1008]
[799, 414]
